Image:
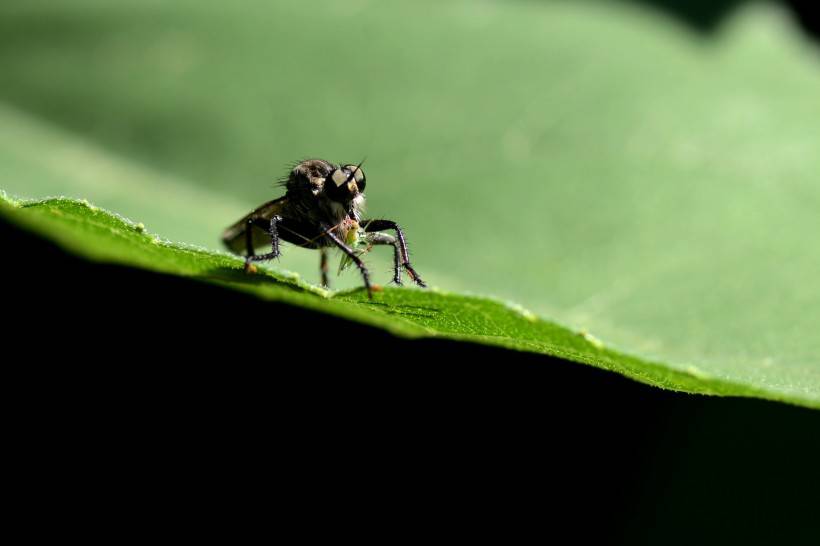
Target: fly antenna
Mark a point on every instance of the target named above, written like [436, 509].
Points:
[353, 172]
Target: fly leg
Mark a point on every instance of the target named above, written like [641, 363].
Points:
[402, 257]
[376, 238]
[328, 231]
[249, 238]
[274, 241]
[323, 266]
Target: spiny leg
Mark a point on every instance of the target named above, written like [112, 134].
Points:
[323, 267]
[385, 239]
[401, 247]
[328, 230]
[274, 241]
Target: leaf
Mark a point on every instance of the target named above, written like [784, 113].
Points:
[591, 160]
[99, 235]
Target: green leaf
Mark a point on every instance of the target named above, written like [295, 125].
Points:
[591, 160]
[99, 235]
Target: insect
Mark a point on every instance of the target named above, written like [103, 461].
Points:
[321, 208]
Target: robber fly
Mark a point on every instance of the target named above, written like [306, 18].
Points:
[321, 208]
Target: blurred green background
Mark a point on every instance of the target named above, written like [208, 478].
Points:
[598, 162]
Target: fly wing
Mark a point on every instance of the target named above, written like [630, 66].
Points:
[234, 236]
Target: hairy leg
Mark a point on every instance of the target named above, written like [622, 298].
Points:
[328, 231]
[274, 242]
[377, 238]
[401, 247]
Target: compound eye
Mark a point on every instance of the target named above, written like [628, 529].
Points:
[339, 177]
[358, 175]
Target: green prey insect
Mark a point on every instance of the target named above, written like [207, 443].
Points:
[322, 208]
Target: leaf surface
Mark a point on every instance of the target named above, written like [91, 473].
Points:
[591, 160]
